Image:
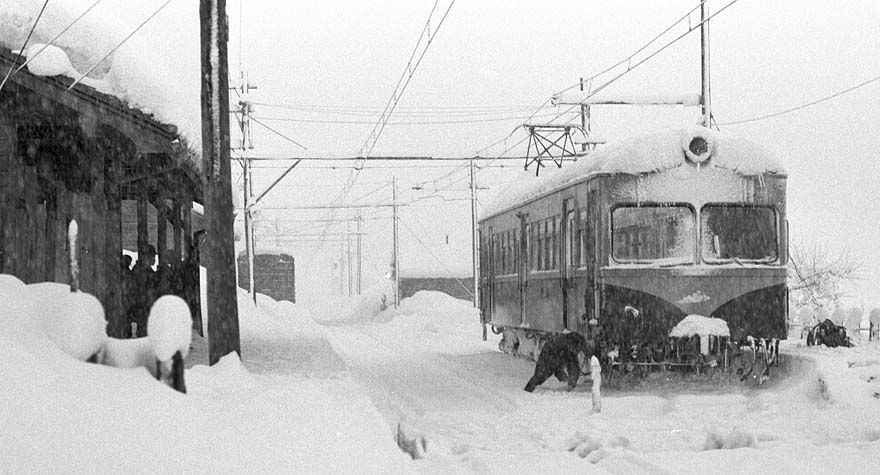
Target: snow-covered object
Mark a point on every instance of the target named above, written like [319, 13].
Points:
[596, 389]
[699, 325]
[169, 327]
[643, 154]
[75, 322]
[48, 60]
[129, 353]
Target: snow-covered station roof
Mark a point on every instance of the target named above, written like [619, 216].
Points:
[649, 153]
[149, 72]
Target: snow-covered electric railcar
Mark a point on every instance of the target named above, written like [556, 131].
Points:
[623, 244]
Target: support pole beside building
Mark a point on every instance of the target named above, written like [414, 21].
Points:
[223, 330]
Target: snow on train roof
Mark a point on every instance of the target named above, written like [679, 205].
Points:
[149, 70]
[642, 154]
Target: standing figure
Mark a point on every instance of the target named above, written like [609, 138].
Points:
[145, 288]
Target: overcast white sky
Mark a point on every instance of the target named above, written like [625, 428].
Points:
[765, 57]
[338, 62]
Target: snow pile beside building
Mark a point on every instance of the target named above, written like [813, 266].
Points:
[647, 153]
[156, 70]
[61, 414]
[699, 325]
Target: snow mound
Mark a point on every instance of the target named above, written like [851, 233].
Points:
[48, 60]
[736, 438]
[594, 446]
[75, 322]
[169, 327]
[699, 325]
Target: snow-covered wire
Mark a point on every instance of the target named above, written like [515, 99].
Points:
[802, 106]
[53, 40]
[124, 40]
[24, 45]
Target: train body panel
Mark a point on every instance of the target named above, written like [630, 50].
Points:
[675, 237]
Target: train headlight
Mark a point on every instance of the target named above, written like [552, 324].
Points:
[698, 144]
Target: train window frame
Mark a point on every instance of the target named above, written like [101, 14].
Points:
[740, 260]
[665, 261]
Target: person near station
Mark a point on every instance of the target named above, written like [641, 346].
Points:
[144, 290]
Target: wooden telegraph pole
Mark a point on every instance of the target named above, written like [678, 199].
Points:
[223, 336]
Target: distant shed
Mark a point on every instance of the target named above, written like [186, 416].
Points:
[275, 274]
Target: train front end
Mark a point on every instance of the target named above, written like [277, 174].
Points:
[707, 237]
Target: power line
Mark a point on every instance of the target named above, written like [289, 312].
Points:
[431, 122]
[270, 129]
[630, 67]
[24, 45]
[434, 255]
[803, 106]
[396, 94]
[119, 45]
[53, 40]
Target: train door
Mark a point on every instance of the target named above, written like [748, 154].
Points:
[590, 246]
[569, 300]
[523, 264]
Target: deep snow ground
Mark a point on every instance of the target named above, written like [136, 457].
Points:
[433, 373]
[312, 398]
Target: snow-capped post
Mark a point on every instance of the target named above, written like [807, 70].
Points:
[596, 376]
[223, 332]
[72, 231]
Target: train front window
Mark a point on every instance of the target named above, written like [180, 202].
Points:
[653, 233]
[734, 233]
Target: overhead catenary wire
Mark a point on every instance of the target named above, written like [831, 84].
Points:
[124, 40]
[24, 45]
[424, 122]
[442, 264]
[285, 137]
[802, 106]
[630, 68]
[62, 32]
[396, 94]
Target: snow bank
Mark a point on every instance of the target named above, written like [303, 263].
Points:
[642, 154]
[699, 325]
[61, 414]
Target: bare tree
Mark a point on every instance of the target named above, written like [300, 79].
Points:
[817, 276]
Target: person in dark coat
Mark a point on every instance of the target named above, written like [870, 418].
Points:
[144, 290]
[559, 357]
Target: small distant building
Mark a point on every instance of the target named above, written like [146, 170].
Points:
[275, 274]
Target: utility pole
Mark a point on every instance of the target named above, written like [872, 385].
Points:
[359, 256]
[348, 252]
[396, 250]
[585, 119]
[223, 329]
[475, 242]
[248, 190]
[704, 49]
